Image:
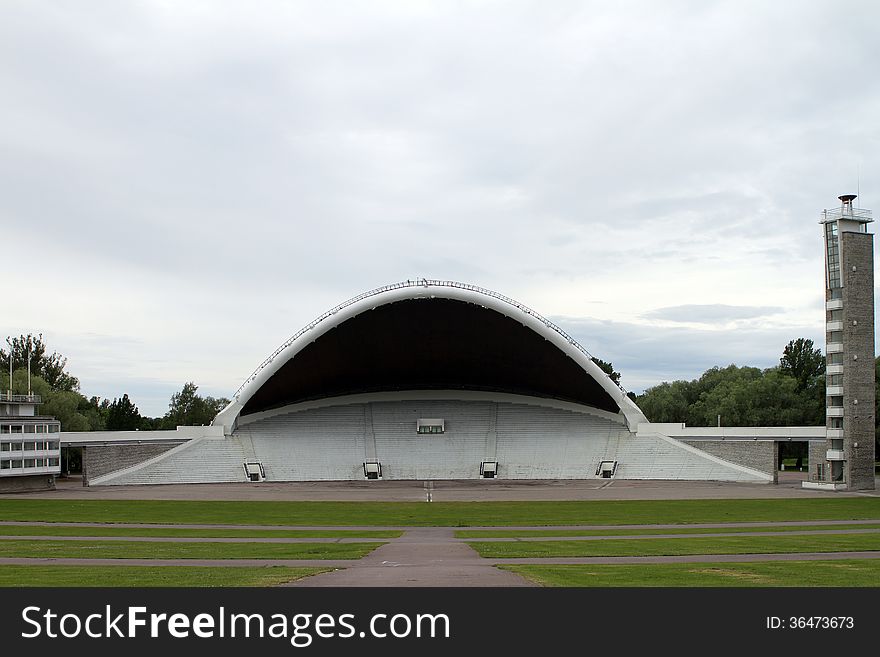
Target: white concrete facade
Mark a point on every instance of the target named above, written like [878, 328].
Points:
[534, 440]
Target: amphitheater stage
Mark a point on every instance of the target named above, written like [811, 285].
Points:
[445, 491]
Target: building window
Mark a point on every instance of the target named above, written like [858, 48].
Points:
[835, 336]
[835, 401]
[835, 359]
[836, 316]
[835, 423]
[835, 380]
[832, 255]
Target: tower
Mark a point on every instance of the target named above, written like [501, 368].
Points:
[847, 460]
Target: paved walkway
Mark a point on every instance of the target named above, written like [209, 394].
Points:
[427, 556]
[446, 560]
[413, 536]
[356, 528]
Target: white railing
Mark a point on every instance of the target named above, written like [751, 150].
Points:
[854, 214]
[8, 397]
[421, 282]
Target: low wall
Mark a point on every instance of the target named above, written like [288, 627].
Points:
[27, 483]
[756, 454]
[818, 451]
[98, 460]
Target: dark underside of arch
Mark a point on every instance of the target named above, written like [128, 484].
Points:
[429, 344]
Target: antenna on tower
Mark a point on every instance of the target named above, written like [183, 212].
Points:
[29, 367]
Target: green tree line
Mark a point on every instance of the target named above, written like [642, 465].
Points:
[790, 394]
[62, 399]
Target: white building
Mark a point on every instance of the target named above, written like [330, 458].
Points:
[30, 454]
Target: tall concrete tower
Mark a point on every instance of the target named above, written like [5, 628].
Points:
[847, 460]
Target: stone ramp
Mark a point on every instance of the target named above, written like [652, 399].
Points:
[427, 556]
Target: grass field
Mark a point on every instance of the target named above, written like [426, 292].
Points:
[444, 514]
[207, 550]
[680, 546]
[127, 576]
[381, 515]
[765, 573]
[537, 533]
[179, 532]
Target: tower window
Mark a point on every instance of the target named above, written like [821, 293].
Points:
[832, 255]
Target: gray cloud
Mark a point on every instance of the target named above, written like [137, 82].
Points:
[647, 355]
[713, 313]
[225, 174]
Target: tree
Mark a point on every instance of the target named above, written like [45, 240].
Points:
[667, 402]
[802, 361]
[50, 368]
[122, 415]
[742, 396]
[190, 409]
[608, 368]
[96, 410]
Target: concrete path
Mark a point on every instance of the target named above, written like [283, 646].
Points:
[692, 558]
[408, 537]
[421, 557]
[356, 528]
[638, 537]
[213, 563]
[461, 562]
[193, 539]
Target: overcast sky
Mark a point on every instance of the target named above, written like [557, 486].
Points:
[183, 185]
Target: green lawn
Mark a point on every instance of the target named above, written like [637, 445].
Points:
[446, 514]
[679, 546]
[176, 532]
[161, 550]
[20, 576]
[537, 533]
[843, 573]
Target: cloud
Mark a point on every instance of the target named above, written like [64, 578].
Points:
[202, 179]
[716, 313]
[646, 355]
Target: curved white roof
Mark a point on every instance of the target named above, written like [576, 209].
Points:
[426, 288]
